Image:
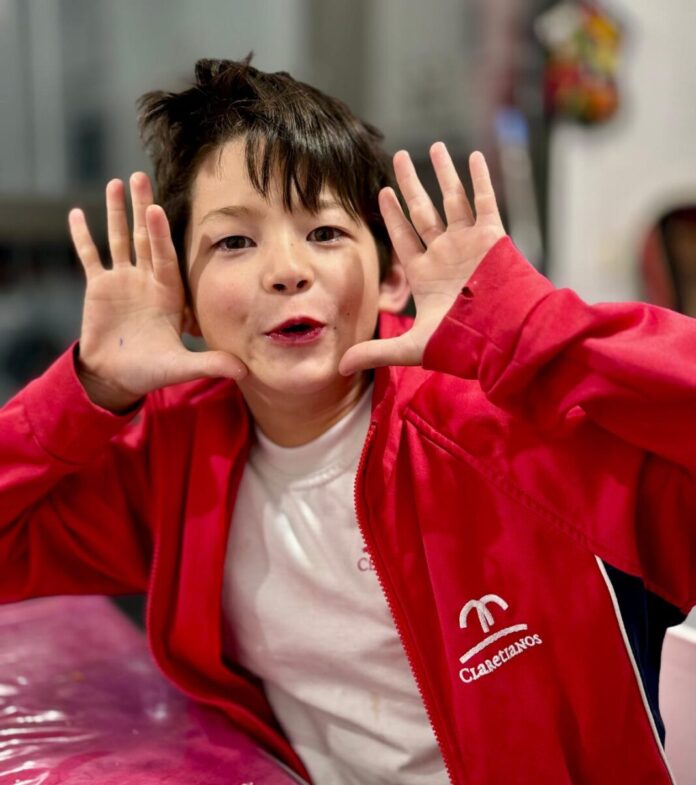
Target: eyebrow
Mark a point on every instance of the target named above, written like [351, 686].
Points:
[231, 211]
[240, 211]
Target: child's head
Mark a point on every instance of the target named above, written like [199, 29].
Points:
[271, 191]
[290, 129]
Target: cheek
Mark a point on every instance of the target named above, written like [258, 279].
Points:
[359, 284]
[219, 305]
[359, 308]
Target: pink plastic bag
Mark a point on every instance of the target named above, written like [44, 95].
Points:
[82, 702]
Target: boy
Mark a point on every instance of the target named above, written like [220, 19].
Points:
[490, 606]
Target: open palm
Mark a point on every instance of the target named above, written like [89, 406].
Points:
[438, 257]
[132, 322]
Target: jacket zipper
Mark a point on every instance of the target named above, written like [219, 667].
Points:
[394, 608]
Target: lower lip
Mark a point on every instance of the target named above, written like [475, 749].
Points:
[297, 339]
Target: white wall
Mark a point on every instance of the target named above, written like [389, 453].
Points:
[420, 56]
[154, 45]
[14, 127]
[67, 63]
[608, 183]
[420, 75]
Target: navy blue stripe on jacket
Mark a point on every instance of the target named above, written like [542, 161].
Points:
[646, 618]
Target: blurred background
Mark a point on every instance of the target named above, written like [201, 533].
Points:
[586, 112]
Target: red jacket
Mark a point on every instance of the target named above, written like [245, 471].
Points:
[545, 448]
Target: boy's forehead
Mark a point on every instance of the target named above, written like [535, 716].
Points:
[222, 169]
[222, 182]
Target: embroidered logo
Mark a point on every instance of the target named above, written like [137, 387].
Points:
[484, 615]
[486, 621]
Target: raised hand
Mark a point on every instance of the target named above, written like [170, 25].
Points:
[438, 257]
[133, 313]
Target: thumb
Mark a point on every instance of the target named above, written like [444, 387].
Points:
[208, 364]
[216, 363]
[401, 350]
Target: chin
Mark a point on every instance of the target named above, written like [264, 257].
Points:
[299, 379]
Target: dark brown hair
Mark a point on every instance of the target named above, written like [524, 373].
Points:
[310, 139]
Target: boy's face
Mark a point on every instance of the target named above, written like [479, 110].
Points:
[287, 293]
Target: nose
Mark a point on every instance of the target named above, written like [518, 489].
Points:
[288, 272]
[289, 283]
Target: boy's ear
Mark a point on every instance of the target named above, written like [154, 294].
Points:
[394, 290]
[191, 323]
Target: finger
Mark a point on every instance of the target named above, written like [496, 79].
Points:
[164, 262]
[85, 248]
[422, 212]
[141, 197]
[405, 241]
[401, 350]
[117, 223]
[484, 195]
[454, 198]
[187, 366]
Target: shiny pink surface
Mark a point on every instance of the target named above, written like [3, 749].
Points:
[82, 702]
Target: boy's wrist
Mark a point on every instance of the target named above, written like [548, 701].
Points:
[102, 393]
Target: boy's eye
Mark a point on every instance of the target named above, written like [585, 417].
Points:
[325, 234]
[234, 243]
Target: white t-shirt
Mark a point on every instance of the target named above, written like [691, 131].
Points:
[303, 610]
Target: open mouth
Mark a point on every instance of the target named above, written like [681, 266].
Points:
[296, 331]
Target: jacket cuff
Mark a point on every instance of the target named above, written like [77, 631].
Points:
[62, 418]
[488, 314]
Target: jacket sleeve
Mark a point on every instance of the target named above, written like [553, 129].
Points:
[540, 352]
[544, 355]
[73, 493]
